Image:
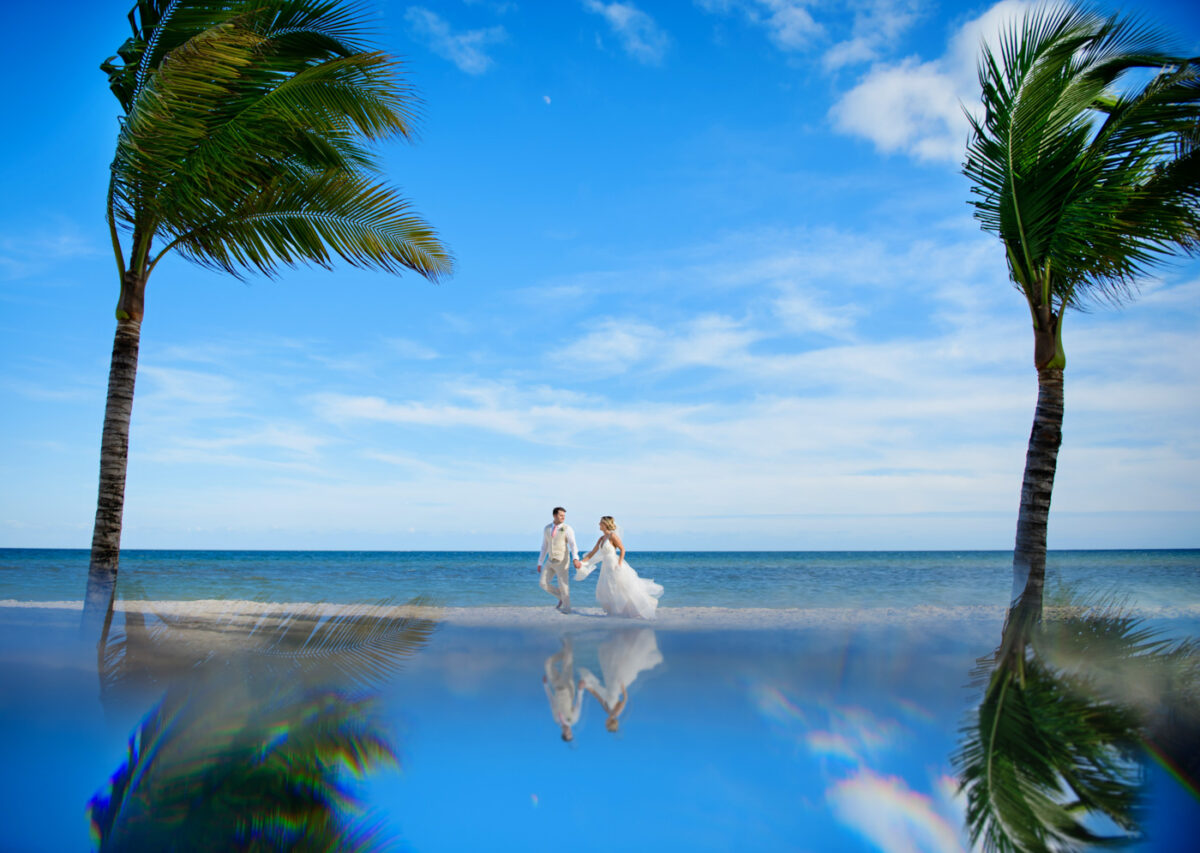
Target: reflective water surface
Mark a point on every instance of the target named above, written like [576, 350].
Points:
[1054, 728]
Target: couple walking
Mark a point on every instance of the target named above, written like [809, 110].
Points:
[619, 590]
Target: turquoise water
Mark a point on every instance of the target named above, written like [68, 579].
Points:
[837, 738]
[831, 734]
[1150, 578]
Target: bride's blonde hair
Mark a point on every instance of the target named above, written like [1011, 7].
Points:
[606, 521]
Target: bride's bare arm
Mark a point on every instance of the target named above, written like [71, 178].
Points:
[620, 706]
[595, 548]
[618, 544]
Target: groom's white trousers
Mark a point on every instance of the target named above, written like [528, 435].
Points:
[562, 571]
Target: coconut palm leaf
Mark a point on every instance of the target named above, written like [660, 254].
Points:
[1058, 157]
[358, 649]
[1036, 763]
[309, 219]
[1068, 701]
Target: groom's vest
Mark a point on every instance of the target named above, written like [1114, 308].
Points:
[558, 544]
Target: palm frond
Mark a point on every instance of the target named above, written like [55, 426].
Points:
[1067, 702]
[360, 648]
[1068, 169]
[310, 219]
[1037, 759]
[236, 104]
[354, 649]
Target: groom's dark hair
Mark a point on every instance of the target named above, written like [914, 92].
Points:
[557, 510]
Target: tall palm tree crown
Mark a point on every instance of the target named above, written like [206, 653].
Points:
[1087, 174]
[242, 140]
[244, 146]
[1085, 164]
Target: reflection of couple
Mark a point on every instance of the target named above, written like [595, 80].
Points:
[619, 590]
[623, 657]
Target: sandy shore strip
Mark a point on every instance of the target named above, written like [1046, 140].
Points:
[669, 618]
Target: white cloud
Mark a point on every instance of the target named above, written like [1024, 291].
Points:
[54, 394]
[617, 345]
[170, 386]
[25, 255]
[789, 24]
[709, 341]
[640, 36]
[793, 27]
[538, 417]
[827, 428]
[853, 734]
[891, 816]
[801, 312]
[293, 439]
[910, 107]
[916, 106]
[800, 413]
[611, 348]
[411, 349]
[877, 24]
[500, 7]
[464, 49]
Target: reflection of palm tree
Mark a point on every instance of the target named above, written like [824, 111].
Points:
[263, 722]
[358, 646]
[1053, 743]
[1089, 179]
[221, 772]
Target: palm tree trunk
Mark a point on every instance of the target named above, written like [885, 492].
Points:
[1041, 461]
[114, 459]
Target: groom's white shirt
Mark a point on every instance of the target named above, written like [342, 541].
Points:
[572, 548]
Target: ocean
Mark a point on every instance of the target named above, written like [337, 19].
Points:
[1151, 580]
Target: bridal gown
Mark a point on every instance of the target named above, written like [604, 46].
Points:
[619, 590]
[622, 659]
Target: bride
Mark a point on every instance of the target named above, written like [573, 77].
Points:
[619, 590]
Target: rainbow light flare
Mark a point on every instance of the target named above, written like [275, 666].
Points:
[885, 811]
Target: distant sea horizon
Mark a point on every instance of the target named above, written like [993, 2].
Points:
[10, 548]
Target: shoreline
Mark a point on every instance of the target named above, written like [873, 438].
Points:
[510, 616]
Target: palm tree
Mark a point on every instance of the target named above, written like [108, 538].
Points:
[243, 147]
[1085, 165]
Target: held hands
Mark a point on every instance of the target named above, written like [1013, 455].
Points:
[578, 563]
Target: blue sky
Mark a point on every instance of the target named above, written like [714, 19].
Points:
[716, 276]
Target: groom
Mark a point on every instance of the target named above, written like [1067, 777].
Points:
[558, 542]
